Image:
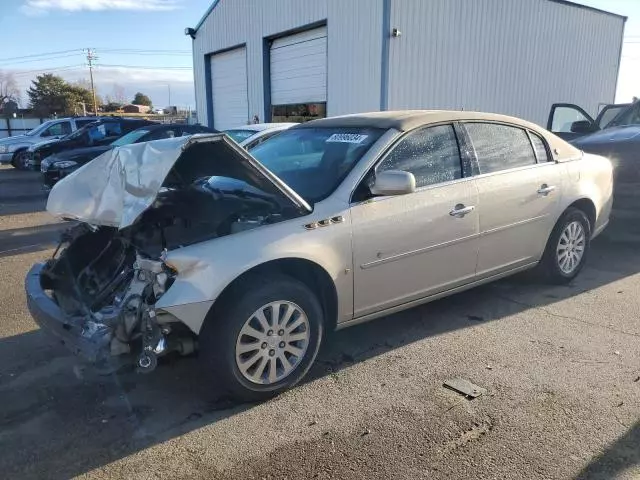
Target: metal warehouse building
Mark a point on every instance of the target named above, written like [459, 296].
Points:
[300, 59]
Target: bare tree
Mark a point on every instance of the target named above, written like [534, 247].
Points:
[119, 94]
[8, 88]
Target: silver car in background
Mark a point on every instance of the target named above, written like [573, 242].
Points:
[194, 243]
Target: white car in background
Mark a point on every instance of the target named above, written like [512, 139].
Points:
[248, 136]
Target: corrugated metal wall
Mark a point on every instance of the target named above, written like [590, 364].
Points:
[354, 47]
[509, 56]
[505, 56]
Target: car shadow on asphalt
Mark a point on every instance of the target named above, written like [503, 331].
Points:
[17, 241]
[59, 419]
[620, 456]
[20, 192]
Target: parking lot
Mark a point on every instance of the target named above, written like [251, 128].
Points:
[561, 366]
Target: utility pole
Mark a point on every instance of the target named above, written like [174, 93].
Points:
[169, 87]
[90, 58]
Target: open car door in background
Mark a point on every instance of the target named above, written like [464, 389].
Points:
[569, 121]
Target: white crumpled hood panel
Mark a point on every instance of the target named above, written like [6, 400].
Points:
[116, 187]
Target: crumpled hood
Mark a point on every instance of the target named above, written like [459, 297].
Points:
[609, 135]
[115, 188]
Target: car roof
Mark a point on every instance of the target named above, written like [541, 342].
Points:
[405, 120]
[258, 127]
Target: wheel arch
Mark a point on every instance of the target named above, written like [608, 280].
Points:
[587, 206]
[314, 276]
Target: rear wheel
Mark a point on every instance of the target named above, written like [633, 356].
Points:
[263, 339]
[567, 247]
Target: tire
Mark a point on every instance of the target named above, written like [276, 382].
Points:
[562, 269]
[18, 160]
[224, 336]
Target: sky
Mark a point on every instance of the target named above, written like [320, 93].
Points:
[141, 46]
[146, 37]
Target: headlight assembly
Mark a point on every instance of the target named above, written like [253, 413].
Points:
[65, 164]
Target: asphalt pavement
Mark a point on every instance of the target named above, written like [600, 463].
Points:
[560, 365]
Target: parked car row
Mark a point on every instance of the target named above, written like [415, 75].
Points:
[251, 256]
[64, 157]
[13, 149]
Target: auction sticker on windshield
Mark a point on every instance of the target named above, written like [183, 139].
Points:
[347, 138]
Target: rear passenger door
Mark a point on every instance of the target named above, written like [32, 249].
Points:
[519, 189]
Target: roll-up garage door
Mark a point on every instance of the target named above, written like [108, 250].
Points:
[229, 88]
[299, 68]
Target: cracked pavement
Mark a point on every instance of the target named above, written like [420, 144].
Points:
[561, 366]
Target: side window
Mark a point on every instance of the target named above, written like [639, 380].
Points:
[500, 147]
[431, 154]
[539, 148]
[112, 129]
[57, 129]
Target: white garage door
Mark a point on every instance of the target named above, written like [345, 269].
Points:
[299, 68]
[229, 89]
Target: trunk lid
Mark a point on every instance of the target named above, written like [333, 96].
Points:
[115, 188]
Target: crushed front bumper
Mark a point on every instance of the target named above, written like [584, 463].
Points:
[84, 338]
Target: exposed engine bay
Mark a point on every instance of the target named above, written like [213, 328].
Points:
[107, 280]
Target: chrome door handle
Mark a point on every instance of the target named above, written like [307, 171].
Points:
[460, 210]
[546, 189]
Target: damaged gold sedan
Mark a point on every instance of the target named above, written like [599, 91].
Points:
[193, 244]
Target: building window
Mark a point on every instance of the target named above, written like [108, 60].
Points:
[299, 112]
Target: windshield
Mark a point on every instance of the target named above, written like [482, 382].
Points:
[313, 161]
[240, 135]
[629, 116]
[131, 137]
[39, 129]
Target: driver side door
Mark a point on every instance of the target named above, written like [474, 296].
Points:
[407, 247]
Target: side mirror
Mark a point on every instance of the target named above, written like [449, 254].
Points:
[393, 182]
[582, 126]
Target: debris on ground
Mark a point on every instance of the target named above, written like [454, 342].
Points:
[464, 387]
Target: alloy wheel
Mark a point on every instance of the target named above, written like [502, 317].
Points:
[571, 247]
[272, 342]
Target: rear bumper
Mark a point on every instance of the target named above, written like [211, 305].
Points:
[6, 157]
[84, 338]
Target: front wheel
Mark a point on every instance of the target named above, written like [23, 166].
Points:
[263, 339]
[567, 247]
[19, 160]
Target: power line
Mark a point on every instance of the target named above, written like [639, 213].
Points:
[46, 59]
[39, 55]
[47, 70]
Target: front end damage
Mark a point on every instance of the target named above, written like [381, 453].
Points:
[98, 292]
[98, 295]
